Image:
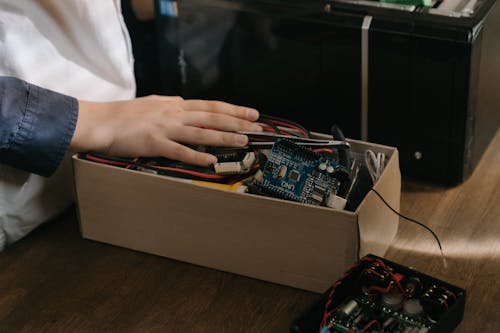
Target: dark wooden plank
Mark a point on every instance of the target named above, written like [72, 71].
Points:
[467, 220]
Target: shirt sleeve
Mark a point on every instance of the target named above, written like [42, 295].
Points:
[36, 126]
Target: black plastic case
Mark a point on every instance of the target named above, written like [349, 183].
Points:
[350, 287]
[428, 85]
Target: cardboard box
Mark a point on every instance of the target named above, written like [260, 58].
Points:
[285, 242]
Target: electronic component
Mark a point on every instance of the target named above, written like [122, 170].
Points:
[412, 286]
[377, 295]
[296, 173]
[233, 164]
[349, 308]
[335, 202]
[320, 174]
[313, 176]
[412, 307]
[392, 300]
[266, 140]
[235, 167]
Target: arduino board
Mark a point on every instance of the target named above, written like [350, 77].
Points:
[299, 174]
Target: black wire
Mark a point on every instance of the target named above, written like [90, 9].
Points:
[165, 162]
[287, 132]
[110, 158]
[272, 125]
[161, 171]
[266, 116]
[358, 232]
[410, 219]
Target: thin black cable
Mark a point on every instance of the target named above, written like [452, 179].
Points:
[270, 124]
[285, 132]
[411, 220]
[264, 117]
[358, 232]
[159, 170]
[167, 163]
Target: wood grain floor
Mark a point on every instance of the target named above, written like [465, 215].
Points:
[54, 281]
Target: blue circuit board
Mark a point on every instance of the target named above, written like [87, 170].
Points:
[296, 173]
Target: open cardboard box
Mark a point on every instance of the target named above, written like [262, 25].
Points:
[285, 242]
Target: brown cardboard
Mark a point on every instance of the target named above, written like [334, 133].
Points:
[299, 245]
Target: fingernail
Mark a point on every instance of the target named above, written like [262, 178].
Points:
[211, 159]
[252, 114]
[241, 140]
[256, 128]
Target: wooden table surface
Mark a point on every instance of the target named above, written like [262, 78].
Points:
[55, 281]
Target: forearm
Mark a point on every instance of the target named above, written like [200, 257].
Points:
[38, 126]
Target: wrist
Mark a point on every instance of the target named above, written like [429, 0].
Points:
[90, 133]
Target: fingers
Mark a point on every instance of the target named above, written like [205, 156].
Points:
[215, 114]
[164, 125]
[208, 137]
[210, 106]
[178, 152]
[177, 99]
[218, 121]
[221, 108]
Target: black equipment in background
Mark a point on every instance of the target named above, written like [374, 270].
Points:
[423, 79]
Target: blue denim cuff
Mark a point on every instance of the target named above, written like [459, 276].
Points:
[37, 127]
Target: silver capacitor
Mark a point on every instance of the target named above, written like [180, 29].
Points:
[349, 308]
[391, 300]
[389, 322]
[412, 307]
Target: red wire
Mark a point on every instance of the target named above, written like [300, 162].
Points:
[189, 172]
[374, 272]
[367, 326]
[268, 128]
[285, 124]
[134, 160]
[379, 289]
[445, 304]
[286, 133]
[396, 277]
[381, 263]
[327, 313]
[323, 150]
[108, 162]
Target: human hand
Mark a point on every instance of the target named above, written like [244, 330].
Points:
[159, 126]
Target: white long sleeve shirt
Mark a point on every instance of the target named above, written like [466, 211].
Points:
[79, 48]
